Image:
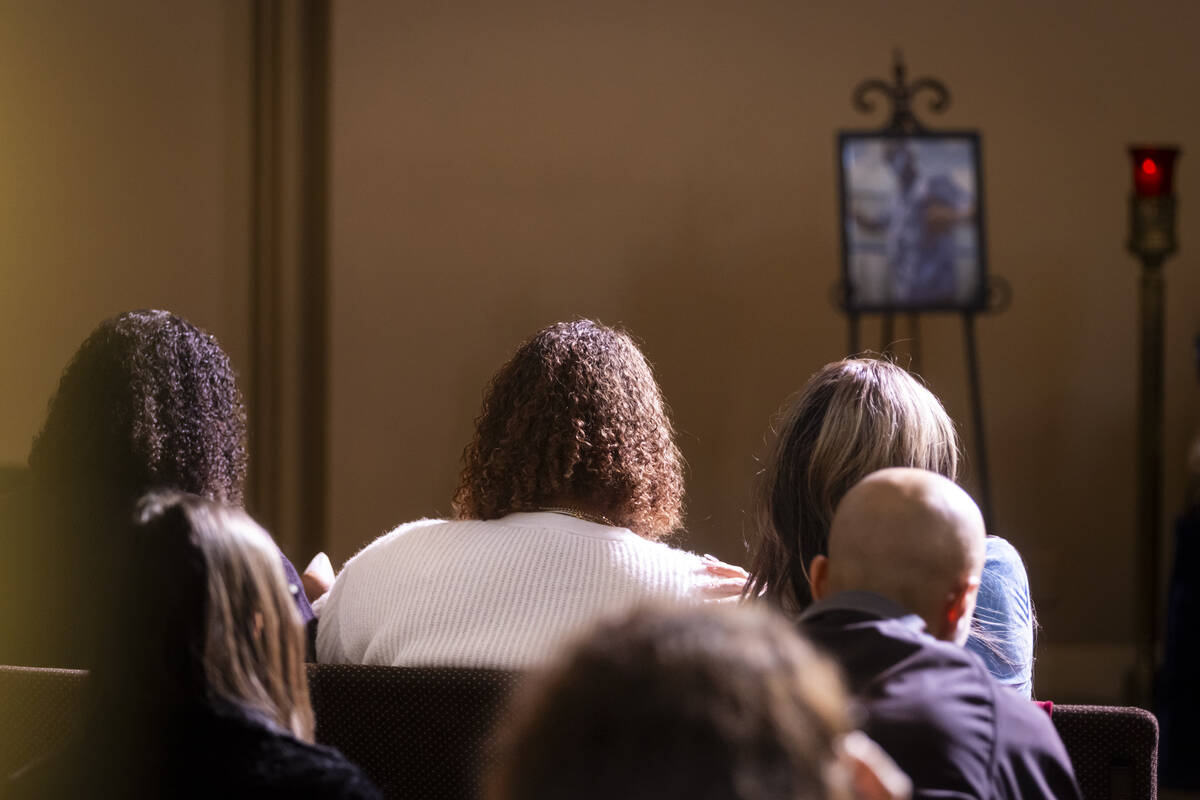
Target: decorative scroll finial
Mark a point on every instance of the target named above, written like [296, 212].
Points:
[900, 94]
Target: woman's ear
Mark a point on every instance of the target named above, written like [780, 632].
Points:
[818, 576]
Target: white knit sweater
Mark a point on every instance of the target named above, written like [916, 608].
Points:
[501, 593]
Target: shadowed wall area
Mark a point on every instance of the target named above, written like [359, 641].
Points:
[123, 182]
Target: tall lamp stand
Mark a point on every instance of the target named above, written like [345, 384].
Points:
[1152, 240]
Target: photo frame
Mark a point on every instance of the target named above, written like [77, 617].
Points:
[912, 221]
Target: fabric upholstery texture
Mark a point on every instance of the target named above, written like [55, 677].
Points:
[425, 732]
[1114, 750]
[417, 732]
[39, 708]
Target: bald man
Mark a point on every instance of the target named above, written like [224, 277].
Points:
[893, 604]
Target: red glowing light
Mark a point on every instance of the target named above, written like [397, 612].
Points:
[1153, 169]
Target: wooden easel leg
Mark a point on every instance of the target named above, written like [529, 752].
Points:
[981, 457]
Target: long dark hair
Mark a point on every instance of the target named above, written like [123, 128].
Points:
[148, 400]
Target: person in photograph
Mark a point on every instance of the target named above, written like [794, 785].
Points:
[920, 226]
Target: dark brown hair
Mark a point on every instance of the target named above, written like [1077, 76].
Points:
[148, 400]
[715, 703]
[575, 417]
[853, 417]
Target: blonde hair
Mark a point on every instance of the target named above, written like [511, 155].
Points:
[853, 417]
[222, 618]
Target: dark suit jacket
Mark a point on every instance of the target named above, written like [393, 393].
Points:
[935, 709]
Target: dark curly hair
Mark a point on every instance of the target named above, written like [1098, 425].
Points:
[575, 417]
[149, 400]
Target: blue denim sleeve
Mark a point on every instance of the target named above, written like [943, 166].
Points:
[1002, 629]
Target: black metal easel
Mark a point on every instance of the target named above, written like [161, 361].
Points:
[900, 93]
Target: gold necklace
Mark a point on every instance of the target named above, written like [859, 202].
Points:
[578, 514]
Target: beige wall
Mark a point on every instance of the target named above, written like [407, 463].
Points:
[496, 167]
[124, 181]
[669, 166]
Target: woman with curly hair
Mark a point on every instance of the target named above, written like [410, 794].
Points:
[572, 478]
[148, 401]
[202, 692]
[854, 417]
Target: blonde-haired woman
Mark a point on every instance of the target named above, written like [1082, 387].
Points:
[854, 417]
[200, 687]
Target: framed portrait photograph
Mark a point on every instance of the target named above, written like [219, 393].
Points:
[912, 221]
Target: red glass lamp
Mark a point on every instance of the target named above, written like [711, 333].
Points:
[1153, 170]
[1152, 206]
